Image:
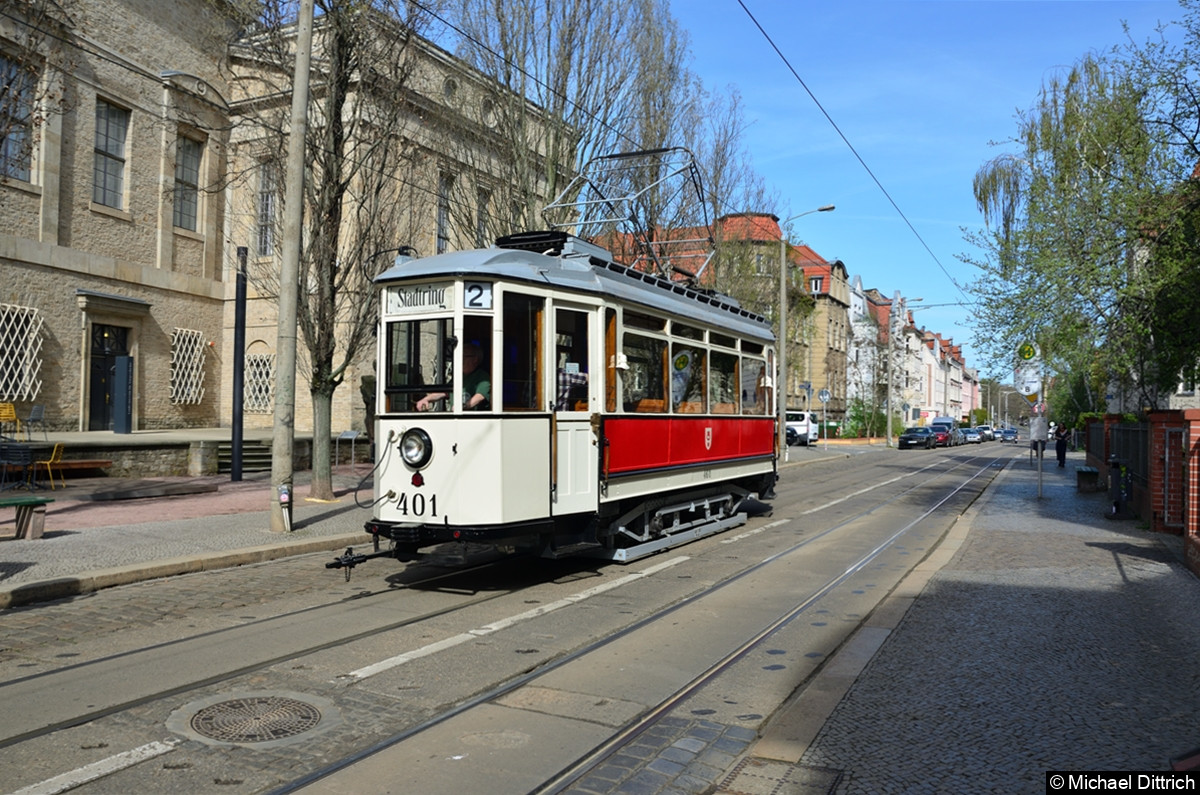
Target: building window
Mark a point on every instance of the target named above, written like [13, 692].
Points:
[259, 395]
[187, 183]
[1187, 383]
[483, 199]
[187, 366]
[16, 120]
[265, 211]
[445, 185]
[112, 129]
[20, 352]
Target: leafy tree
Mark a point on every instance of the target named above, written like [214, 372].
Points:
[1090, 248]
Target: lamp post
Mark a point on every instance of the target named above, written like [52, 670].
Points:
[782, 377]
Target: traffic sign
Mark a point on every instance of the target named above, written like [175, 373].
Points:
[824, 396]
[1027, 351]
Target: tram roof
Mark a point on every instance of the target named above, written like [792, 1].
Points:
[585, 268]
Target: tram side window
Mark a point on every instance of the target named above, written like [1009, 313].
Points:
[723, 383]
[688, 371]
[419, 353]
[571, 365]
[643, 381]
[522, 361]
[756, 386]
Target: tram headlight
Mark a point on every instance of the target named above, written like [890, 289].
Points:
[416, 448]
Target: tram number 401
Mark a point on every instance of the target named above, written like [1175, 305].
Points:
[416, 505]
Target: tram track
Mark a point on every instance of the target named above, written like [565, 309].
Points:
[568, 775]
[807, 506]
[102, 668]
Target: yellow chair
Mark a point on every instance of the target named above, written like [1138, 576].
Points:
[54, 460]
[8, 416]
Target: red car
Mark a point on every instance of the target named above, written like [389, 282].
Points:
[941, 437]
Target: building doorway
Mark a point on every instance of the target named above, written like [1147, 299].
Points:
[108, 342]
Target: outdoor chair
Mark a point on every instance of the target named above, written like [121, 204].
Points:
[37, 416]
[8, 416]
[54, 460]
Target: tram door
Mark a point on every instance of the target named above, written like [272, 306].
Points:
[576, 464]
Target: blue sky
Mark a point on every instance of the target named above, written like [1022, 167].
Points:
[920, 89]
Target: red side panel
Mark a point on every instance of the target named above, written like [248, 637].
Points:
[639, 443]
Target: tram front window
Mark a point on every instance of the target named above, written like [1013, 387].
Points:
[419, 358]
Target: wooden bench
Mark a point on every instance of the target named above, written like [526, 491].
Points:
[31, 514]
[80, 463]
[1087, 479]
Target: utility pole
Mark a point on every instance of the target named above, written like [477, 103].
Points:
[283, 440]
[782, 377]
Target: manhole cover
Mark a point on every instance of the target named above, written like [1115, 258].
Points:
[261, 719]
[257, 719]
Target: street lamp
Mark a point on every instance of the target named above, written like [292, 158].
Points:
[782, 377]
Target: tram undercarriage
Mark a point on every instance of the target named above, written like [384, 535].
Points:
[630, 532]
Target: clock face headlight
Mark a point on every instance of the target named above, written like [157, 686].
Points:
[416, 448]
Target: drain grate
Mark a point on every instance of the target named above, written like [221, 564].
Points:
[754, 776]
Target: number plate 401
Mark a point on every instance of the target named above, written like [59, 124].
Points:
[417, 505]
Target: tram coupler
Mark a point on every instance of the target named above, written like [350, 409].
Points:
[349, 559]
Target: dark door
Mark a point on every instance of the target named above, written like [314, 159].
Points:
[108, 342]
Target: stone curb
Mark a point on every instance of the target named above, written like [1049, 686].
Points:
[61, 587]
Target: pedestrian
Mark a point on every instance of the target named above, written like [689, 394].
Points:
[1061, 434]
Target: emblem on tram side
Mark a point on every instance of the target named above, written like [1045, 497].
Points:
[708, 438]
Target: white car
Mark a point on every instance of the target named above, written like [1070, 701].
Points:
[805, 425]
[986, 433]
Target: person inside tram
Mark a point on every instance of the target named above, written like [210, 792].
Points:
[476, 382]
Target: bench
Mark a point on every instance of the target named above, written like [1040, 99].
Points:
[79, 463]
[1087, 479]
[31, 514]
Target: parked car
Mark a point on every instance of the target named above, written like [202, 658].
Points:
[1008, 435]
[986, 433]
[953, 433]
[792, 436]
[918, 436]
[805, 424]
[972, 436]
[943, 436]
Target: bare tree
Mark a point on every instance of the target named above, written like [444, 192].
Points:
[368, 178]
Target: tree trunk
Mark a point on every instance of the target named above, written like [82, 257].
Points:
[322, 471]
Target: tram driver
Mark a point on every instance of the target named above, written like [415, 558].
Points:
[476, 382]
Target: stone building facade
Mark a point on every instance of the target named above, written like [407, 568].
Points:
[121, 220]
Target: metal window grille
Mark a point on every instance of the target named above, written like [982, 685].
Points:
[20, 352]
[16, 120]
[187, 366]
[187, 183]
[259, 395]
[112, 127]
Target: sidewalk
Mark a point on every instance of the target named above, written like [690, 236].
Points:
[1039, 636]
[93, 541]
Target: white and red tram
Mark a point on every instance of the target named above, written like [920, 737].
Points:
[627, 413]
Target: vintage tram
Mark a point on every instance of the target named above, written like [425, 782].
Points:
[625, 412]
